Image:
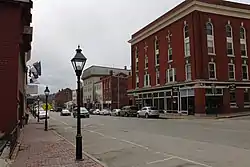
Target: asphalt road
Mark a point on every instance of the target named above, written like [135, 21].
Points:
[138, 142]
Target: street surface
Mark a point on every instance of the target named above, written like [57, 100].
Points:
[138, 142]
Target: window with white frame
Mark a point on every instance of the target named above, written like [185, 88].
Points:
[242, 33]
[231, 71]
[157, 77]
[146, 79]
[229, 33]
[137, 80]
[146, 61]
[210, 38]
[157, 52]
[243, 43]
[212, 70]
[171, 75]
[136, 59]
[244, 72]
[170, 53]
[246, 97]
[188, 72]
[186, 41]
[243, 49]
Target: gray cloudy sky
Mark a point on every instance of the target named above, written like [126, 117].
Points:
[101, 27]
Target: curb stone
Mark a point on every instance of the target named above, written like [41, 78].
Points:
[88, 155]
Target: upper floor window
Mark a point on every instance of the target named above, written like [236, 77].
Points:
[242, 33]
[171, 75]
[157, 77]
[186, 32]
[229, 31]
[209, 29]
[156, 44]
[186, 41]
[210, 38]
[231, 71]
[137, 81]
[136, 53]
[146, 62]
[188, 72]
[212, 70]
[146, 79]
[170, 53]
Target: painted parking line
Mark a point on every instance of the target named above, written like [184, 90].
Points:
[141, 146]
[158, 161]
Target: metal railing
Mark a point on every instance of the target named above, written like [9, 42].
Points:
[12, 139]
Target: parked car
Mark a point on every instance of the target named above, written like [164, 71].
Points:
[116, 112]
[58, 109]
[42, 114]
[96, 112]
[65, 112]
[84, 113]
[91, 111]
[105, 112]
[148, 112]
[129, 111]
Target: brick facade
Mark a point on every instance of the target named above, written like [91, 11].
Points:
[115, 90]
[192, 95]
[14, 46]
[63, 96]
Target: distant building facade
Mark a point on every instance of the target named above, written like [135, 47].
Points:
[115, 90]
[194, 59]
[92, 75]
[63, 96]
[98, 95]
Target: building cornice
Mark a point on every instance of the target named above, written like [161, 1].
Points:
[187, 9]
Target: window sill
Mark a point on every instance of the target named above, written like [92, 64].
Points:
[157, 65]
[212, 54]
[230, 55]
[157, 85]
[147, 86]
[170, 61]
[231, 79]
[246, 106]
[244, 57]
[145, 68]
[187, 56]
[213, 79]
[245, 79]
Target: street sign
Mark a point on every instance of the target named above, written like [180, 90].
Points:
[49, 106]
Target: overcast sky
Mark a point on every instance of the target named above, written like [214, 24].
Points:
[101, 27]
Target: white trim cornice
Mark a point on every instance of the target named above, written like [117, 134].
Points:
[187, 9]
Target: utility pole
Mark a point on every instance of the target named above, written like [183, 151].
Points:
[118, 96]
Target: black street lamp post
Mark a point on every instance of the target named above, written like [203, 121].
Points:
[78, 63]
[46, 92]
[38, 99]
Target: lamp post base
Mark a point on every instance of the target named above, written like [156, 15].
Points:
[46, 126]
[78, 147]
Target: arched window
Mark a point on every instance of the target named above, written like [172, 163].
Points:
[242, 33]
[186, 33]
[209, 28]
[229, 31]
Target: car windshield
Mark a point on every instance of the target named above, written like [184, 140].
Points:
[133, 108]
[83, 109]
[153, 108]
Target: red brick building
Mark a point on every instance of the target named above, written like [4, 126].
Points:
[115, 90]
[194, 59]
[15, 39]
[63, 96]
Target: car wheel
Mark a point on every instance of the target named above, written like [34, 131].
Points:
[126, 114]
[138, 116]
[146, 115]
[87, 116]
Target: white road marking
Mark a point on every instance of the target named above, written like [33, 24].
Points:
[135, 144]
[158, 161]
[194, 162]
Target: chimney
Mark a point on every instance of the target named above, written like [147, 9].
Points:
[125, 67]
[111, 72]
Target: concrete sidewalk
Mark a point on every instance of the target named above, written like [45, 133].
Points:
[41, 148]
[220, 116]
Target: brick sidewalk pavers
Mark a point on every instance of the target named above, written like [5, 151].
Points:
[46, 149]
